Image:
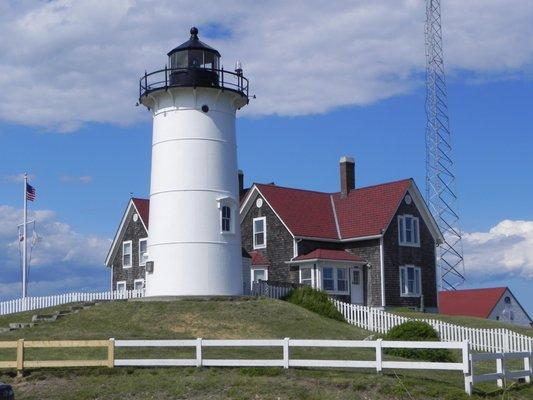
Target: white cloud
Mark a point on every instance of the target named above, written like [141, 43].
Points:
[84, 179]
[18, 178]
[71, 62]
[59, 244]
[505, 251]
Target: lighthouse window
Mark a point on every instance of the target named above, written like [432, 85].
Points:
[226, 219]
[259, 227]
[196, 58]
[178, 60]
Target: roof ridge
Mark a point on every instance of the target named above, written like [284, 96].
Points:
[335, 216]
[474, 289]
[291, 188]
[331, 193]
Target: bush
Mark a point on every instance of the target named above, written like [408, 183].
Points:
[314, 300]
[417, 331]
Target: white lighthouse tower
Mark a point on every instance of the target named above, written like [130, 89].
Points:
[194, 242]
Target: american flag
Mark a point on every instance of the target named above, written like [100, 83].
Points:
[30, 192]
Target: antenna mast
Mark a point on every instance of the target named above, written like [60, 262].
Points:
[440, 179]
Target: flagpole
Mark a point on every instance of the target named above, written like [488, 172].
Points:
[24, 235]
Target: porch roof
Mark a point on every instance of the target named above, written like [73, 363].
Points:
[328, 255]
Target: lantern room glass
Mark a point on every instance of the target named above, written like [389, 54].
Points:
[193, 59]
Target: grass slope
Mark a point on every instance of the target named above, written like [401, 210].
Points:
[471, 322]
[254, 318]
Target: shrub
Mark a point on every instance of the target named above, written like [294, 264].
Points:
[314, 300]
[417, 331]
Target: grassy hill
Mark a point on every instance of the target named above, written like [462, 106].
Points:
[466, 321]
[254, 318]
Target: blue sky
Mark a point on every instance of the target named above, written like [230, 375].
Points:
[88, 146]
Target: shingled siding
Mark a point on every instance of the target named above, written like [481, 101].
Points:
[396, 256]
[134, 231]
[279, 241]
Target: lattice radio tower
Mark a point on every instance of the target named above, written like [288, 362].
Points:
[440, 179]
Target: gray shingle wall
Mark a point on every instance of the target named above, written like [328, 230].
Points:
[279, 241]
[396, 256]
[134, 231]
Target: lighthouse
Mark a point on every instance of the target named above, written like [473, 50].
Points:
[194, 243]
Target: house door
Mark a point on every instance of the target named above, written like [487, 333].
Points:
[357, 286]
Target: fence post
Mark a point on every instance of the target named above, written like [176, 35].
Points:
[527, 367]
[500, 369]
[379, 356]
[286, 353]
[468, 368]
[199, 352]
[371, 320]
[111, 353]
[20, 356]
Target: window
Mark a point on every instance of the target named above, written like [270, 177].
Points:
[328, 283]
[126, 254]
[226, 206]
[138, 284]
[408, 230]
[306, 276]
[356, 278]
[507, 300]
[410, 281]
[259, 274]
[121, 286]
[335, 279]
[342, 280]
[226, 218]
[259, 233]
[143, 251]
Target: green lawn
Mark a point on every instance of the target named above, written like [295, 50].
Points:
[466, 321]
[254, 318]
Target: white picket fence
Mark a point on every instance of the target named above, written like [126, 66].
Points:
[375, 320]
[35, 303]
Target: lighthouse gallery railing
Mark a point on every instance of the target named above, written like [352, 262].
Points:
[161, 79]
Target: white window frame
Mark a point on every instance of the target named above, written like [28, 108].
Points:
[120, 283]
[141, 263]
[227, 202]
[311, 269]
[259, 268]
[404, 286]
[335, 279]
[131, 254]
[264, 244]
[137, 281]
[402, 231]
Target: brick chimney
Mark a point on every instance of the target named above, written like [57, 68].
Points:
[241, 182]
[347, 169]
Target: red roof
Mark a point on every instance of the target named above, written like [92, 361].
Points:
[364, 212]
[259, 258]
[326, 254]
[470, 302]
[143, 206]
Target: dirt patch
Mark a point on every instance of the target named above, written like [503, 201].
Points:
[195, 325]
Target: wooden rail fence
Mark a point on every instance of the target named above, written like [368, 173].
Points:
[21, 345]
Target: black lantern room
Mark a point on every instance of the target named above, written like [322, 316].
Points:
[194, 63]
